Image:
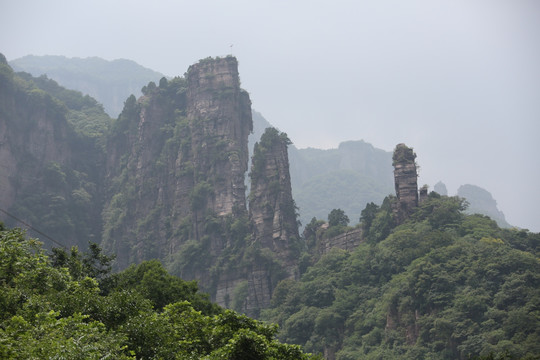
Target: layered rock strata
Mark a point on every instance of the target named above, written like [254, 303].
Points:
[177, 160]
[347, 241]
[406, 182]
[271, 206]
[219, 114]
[272, 214]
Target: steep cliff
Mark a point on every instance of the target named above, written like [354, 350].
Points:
[272, 213]
[176, 169]
[406, 182]
[272, 210]
[50, 174]
[177, 159]
[219, 114]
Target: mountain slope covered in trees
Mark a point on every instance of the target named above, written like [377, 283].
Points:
[442, 285]
[51, 151]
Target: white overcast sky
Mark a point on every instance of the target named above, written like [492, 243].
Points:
[458, 80]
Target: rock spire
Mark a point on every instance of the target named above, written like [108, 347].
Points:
[406, 182]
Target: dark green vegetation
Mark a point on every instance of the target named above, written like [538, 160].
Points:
[443, 285]
[59, 189]
[111, 82]
[68, 305]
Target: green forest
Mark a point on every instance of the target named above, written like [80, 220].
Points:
[68, 305]
[443, 285]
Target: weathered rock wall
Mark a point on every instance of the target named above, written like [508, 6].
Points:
[178, 158]
[346, 241]
[49, 173]
[271, 206]
[33, 132]
[406, 182]
[219, 113]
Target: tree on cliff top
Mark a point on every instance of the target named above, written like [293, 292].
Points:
[403, 155]
[338, 217]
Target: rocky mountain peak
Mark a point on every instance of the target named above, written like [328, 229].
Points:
[406, 181]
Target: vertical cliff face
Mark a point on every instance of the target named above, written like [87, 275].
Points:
[145, 175]
[177, 162]
[406, 182]
[272, 214]
[219, 114]
[31, 124]
[49, 173]
[271, 206]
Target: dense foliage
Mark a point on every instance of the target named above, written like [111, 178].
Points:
[54, 307]
[443, 285]
[58, 190]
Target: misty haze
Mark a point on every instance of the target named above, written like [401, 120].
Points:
[362, 174]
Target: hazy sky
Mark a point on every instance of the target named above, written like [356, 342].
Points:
[458, 80]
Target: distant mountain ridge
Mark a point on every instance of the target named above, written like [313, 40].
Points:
[481, 202]
[110, 82]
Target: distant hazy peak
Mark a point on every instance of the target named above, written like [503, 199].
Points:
[482, 202]
[440, 188]
[109, 82]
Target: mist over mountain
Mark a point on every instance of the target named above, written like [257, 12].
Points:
[110, 82]
[481, 202]
[347, 177]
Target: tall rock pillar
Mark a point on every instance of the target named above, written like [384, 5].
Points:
[406, 182]
[272, 213]
[219, 114]
[271, 206]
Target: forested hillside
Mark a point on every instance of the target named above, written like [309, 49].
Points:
[111, 82]
[349, 177]
[443, 285]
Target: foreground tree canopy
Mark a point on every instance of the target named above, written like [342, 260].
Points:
[68, 306]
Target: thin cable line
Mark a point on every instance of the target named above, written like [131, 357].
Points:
[33, 228]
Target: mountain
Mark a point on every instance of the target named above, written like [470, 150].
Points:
[348, 178]
[481, 202]
[51, 155]
[425, 281]
[165, 180]
[163, 186]
[110, 82]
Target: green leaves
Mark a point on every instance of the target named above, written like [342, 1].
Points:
[443, 285]
[60, 311]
